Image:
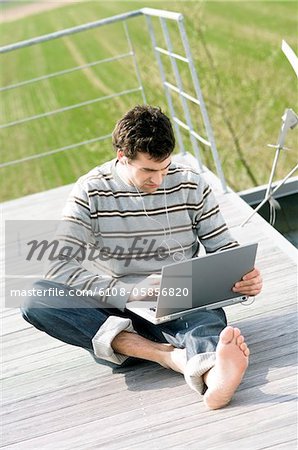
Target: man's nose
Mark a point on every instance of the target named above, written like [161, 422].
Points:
[156, 178]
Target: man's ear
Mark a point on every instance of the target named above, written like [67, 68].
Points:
[120, 155]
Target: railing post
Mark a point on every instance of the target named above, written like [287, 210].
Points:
[208, 127]
[163, 79]
[180, 87]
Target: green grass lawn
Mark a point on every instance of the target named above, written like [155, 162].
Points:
[246, 81]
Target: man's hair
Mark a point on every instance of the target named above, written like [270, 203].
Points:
[144, 129]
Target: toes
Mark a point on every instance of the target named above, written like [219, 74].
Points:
[233, 335]
[227, 335]
[240, 340]
[244, 349]
[236, 333]
[247, 352]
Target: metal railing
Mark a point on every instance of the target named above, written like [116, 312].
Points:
[185, 123]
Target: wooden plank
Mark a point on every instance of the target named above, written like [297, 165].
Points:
[160, 423]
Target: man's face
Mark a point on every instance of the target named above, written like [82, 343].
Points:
[147, 174]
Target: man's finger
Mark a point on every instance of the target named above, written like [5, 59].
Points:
[253, 274]
[254, 289]
[154, 282]
[247, 283]
[154, 279]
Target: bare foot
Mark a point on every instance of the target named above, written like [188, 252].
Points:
[174, 359]
[230, 365]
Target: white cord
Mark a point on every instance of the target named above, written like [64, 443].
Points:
[177, 256]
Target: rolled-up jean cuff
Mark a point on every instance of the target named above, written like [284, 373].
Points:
[107, 332]
[195, 369]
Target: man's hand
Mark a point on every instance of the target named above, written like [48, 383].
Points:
[147, 289]
[251, 283]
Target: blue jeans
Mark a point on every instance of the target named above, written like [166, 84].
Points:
[75, 320]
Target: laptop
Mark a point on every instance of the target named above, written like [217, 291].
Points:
[204, 282]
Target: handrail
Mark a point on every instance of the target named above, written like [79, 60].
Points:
[90, 25]
[68, 31]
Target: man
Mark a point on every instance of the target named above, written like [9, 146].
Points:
[132, 215]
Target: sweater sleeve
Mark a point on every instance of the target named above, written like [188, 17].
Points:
[77, 241]
[212, 230]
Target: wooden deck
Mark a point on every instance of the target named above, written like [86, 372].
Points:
[56, 397]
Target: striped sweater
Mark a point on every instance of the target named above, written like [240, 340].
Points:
[118, 235]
